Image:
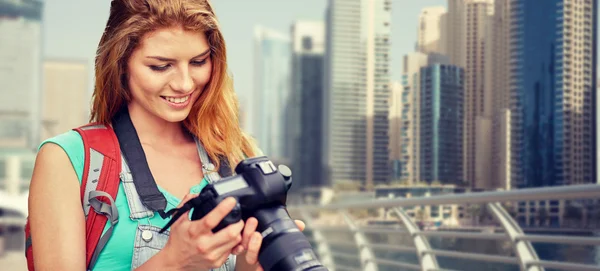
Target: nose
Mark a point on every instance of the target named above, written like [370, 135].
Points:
[183, 81]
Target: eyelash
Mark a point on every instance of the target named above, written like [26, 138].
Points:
[165, 67]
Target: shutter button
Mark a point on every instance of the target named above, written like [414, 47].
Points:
[147, 236]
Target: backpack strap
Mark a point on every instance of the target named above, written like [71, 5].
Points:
[99, 186]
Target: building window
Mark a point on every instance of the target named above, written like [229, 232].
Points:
[307, 43]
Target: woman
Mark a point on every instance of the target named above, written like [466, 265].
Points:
[164, 61]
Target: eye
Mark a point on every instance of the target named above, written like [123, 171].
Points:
[199, 63]
[160, 68]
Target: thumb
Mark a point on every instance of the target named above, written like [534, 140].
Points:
[186, 199]
[300, 224]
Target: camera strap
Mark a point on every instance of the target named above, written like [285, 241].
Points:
[133, 153]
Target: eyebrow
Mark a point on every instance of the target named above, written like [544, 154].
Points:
[173, 60]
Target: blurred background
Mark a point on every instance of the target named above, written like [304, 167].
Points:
[362, 98]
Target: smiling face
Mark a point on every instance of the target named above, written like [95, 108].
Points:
[167, 73]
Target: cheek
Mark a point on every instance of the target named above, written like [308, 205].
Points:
[203, 75]
[145, 83]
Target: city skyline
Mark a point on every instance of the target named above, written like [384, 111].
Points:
[478, 116]
[64, 39]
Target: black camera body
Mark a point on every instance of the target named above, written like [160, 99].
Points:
[261, 189]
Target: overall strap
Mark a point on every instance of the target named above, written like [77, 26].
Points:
[137, 210]
[208, 168]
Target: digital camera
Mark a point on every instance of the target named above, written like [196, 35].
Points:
[260, 189]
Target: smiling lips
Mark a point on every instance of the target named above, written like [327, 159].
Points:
[177, 102]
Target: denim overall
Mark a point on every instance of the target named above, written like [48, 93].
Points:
[148, 240]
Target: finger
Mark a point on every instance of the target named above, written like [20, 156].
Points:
[231, 232]
[300, 224]
[249, 229]
[213, 218]
[224, 241]
[184, 217]
[237, 250]
[253, 248]
[226, 238]
[226, 249]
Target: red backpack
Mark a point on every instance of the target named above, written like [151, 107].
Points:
[101, 173]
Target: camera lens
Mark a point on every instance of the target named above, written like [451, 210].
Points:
[284, 247]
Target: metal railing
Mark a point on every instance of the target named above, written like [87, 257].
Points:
[379, 234]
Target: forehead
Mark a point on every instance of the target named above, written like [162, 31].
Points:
[173, 42]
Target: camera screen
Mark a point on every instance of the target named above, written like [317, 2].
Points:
[230, 185]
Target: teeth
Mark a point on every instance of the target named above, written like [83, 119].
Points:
[177, 100]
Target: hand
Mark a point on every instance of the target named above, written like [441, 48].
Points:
[251, 242]
[193, 246]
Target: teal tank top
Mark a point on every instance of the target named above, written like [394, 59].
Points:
[118, 253]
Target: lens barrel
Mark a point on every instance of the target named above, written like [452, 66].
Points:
[284, 246]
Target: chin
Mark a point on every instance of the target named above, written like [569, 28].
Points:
[174, 117]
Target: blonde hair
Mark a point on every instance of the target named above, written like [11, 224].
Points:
[214, 116]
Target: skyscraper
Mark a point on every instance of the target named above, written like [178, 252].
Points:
[410, 113]
[455, 32]
[431, 34]
[357, 91]
[551, 66]
[441, 119]
[20, 72]
[271, 90]
[468, 27]
[501, 114]
[396, 106]
[305, 126]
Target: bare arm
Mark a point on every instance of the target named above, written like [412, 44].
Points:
[56, 218]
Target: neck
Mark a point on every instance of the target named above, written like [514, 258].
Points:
[154, 130]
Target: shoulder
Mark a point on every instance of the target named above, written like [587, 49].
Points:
[69, 143]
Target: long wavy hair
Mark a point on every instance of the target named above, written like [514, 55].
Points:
[214, 116]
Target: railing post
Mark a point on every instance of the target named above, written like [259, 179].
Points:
[366, 254]
[427, 260]
[323, 249]
[524, 250]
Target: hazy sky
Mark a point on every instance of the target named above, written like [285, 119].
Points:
[73, 28]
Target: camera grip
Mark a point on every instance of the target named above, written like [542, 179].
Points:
[233, 217]
[208, 203]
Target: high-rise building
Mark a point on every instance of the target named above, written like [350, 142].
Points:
[550, 91]
[501, 115]
[65, 103]
[455, 32]
[441, 120]
[306, 108]
[431, 34]
[271, 89]
[468, 28]
[20, 72]
[409, 160]
[395, 131]
[357, 88]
